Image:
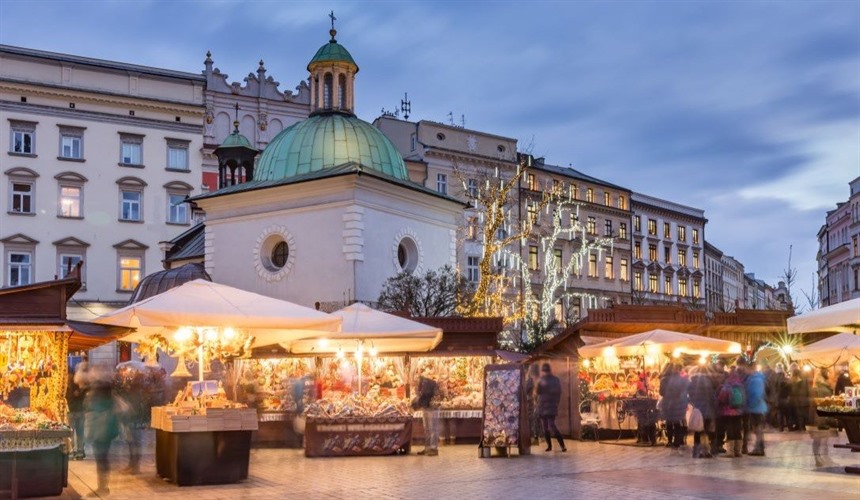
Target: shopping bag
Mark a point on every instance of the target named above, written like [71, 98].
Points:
[695, 422]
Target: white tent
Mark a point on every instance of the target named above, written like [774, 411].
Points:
[841, 346]
[372, 329]
[204, 304]
[660, 341]
[841, 317]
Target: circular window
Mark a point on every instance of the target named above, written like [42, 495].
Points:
[275, 253]
[501, 148]
[280, 254]
[440, 136]
[407, 254]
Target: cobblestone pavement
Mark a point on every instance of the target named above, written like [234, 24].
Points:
[588, 470]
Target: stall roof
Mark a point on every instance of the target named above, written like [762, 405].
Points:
[86, 335]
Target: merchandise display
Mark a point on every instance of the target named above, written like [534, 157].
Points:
[270, 384]
[354, 406]
[502, 407]
[17, 419]
[460, 379]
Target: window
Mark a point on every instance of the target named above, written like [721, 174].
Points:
[19, 268]
[471, 228]
[71, 143]
[22, 197]
[652, 283]
[624, 271]
[531, 183]
[637, 223]
[177, 209]
[472, 188]
[622, 230]
[682, 287]
[592, 265]
[682, 258]
[177, 155]
[70, 252]
[131, 199]
[637, 251]
[667, 231]
[129, 272]
[533, 212]
[413, 142]
[589, 195]
[131, 150]
[607, 199]
[607, 228]
[652, 227]
[557, 259]
[682, 233]
[327, 91]
[667, 285]
[558, 312]
[442, 183]
[695, 259]
[667, 254]
[637, 281]
[68, 262]
[70, 201]
[341, 91]
[696, 289]
[556, 186]
[473, 272]
[591, 225]
[608, 268]
[23, 140]
[572, 191]
[695, 236]
[533, 257]
[652, 252]
[622, 202]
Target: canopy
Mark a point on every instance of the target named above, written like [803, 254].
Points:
[201, 303]
[374, 329]
[841, 317]
[840, 346]
[661, 341]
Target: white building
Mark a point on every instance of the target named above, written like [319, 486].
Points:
[714, 279]
[839, 251]
[734, 286]
[97, 157]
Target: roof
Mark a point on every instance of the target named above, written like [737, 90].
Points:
[351, 168]
[574, 174]
[236, 140]
[325, 141]
[188, 245]
[332, 52]
[162, 281]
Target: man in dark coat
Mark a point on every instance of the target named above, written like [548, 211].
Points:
[549, 395]
[424, 400]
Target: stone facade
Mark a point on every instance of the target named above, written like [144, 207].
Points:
[839, 251]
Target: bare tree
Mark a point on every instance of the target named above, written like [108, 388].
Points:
[436, 293]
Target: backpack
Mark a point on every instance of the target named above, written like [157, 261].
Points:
[736, 397]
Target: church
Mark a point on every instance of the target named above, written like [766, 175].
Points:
[327, 213]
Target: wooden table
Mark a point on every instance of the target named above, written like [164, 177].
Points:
[850, 421]
[193, 458]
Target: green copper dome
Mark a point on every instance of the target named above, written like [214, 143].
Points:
[236, 140]
[332, 52]
[325, 141]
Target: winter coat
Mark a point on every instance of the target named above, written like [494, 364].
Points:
[427, 389]
[673, 390]
[842, 381]
[100, 422]
[703, 395]
[822, 389]
[724, 407]
[799, 391]
[756, 394]
[549, 395]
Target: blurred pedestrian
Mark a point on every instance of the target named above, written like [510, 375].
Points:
[785, 414]
[100, 423]
[425, 401]
[800, 398]
[702, 395]
[731, 401]
[673, 391]
[756, 409]
[531, 402]
[549, 395]
[843, 380]
[718, 375]
[75, 395]
[822, 432]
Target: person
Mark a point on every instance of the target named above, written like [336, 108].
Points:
[718, 375]
[531, 402]
[425, 401]
[75, 395]
[822, 389]
[549, 395]
[673, 390]
[799, 398]
[822, 433]
[731, 401]
[785, 418]
[843, 380]
[756, 409]
[100, 423]
[128, 409]
[702, 395]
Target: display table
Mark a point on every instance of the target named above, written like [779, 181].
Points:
[850, 421]
[277, 429]
[357, 436]
[33, 463]
[203, 449]
[463, 426]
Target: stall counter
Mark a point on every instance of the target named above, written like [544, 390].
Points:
[33, 463]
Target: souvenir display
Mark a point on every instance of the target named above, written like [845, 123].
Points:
[26, 359]
[502, 407]
[354, 406]
[269, 384]
[22, 419]
[460, 379]
[381, 376]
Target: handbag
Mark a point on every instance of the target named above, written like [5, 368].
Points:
[695, 421]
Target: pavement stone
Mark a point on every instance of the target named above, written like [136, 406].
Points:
[588, 470]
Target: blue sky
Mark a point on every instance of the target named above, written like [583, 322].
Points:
[748, 110]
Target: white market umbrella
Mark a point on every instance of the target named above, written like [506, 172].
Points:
[841, 317]
[201, 303]
[839, 346]
[660, 341]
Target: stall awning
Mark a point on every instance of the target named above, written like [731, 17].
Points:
[86, 335]
[841, 317]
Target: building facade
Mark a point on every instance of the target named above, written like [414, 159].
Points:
[668, 252]
[734, 285]
[839, 251]
[714, 279]
[97, 159]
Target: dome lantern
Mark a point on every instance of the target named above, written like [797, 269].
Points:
[332, 77]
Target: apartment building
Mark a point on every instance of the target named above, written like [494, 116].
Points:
[839, 251]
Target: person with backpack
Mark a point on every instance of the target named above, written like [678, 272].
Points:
[756, 409]
[731, 403]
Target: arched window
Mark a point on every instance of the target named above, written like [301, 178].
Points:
[341, 89]
[316, 92]
[327, 83]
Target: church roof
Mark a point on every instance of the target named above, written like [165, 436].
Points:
[327, 140]
[236, 140]
[162, 281]
[332, 52]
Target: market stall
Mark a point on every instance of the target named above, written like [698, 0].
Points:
[202, 437]
[844, 409]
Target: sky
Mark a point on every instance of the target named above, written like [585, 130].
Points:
[747, 110]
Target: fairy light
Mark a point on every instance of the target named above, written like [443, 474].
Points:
[586, 363]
